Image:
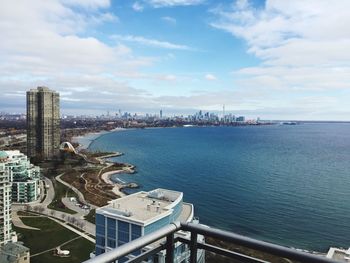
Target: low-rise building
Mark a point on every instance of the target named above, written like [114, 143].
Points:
[14, 253]
[139, 214]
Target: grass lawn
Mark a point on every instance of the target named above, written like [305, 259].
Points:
[80, 250]
[50, 235]
[24, 213]
[91, 216]
[61, 191]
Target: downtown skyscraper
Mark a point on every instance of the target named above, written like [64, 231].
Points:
[43, 123]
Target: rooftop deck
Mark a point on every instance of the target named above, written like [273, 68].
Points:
[147, 206]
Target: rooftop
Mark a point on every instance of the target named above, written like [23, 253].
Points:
[144, 207]
[339, 254]
[3, 155]
[11, 251]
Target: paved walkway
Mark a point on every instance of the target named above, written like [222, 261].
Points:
[72, 206]
[16, 220]
[65, 224]
[80, 195]
[74, 230]
[87, 226]
[48, 250]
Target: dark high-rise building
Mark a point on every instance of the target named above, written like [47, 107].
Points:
[43, 123]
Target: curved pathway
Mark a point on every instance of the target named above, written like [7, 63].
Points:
[16, 220]
[87, 226]
[75, 190]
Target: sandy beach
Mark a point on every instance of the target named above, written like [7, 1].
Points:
[106, 177]
[84, 141]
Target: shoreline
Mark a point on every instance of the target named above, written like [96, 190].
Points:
[117, 187]
[84, 141]
[106, 177]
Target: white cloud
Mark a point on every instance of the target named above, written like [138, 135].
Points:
[170, 3]
[168, 77]
[41, 44]
[169, 20]
[90, 4]
[151, 42]
[210, 77]
[137, 7]
[291, 32]
[304, 47]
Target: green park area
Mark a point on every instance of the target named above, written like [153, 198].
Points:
[42, 243]
[61, 191]
[91, 216]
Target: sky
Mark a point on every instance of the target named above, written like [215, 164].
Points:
[272, 59]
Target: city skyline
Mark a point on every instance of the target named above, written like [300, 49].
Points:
[272, 59]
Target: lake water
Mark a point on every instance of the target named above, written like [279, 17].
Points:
[285, 184]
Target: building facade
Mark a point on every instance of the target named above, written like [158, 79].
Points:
[43, 123]
[5, 200]
[25, 178]
[135, 215]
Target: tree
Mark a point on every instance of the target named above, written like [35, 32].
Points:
[63, 216]
[52, 212]
[41, 209]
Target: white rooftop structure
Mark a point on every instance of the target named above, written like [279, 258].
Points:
[339, 254]
[147, 207]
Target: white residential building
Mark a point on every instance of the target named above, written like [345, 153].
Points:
[135, 215]
[5, 200]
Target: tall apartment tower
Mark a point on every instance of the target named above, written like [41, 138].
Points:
[5, 200]
[43, 123]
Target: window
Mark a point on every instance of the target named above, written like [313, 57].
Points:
[123, 226]
[100, 220]
[111, 223]
[123, 231]
[123, 236]
[100, 241]
[111, 243]
[99, 251]
[111, 228]
[135, 231]
[100, 230]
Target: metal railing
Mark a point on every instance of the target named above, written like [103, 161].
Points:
[169, 232]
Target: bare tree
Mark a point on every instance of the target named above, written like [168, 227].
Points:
[41, 209]
[52, 212]
[63, 216]
[74, 220]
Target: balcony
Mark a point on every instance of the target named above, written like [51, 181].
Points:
[170, 233]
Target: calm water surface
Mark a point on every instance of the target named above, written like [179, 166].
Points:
[285, 184]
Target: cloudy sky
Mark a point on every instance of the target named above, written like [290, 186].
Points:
[274, 59]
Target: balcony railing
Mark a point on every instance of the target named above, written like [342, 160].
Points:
[169, 232]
